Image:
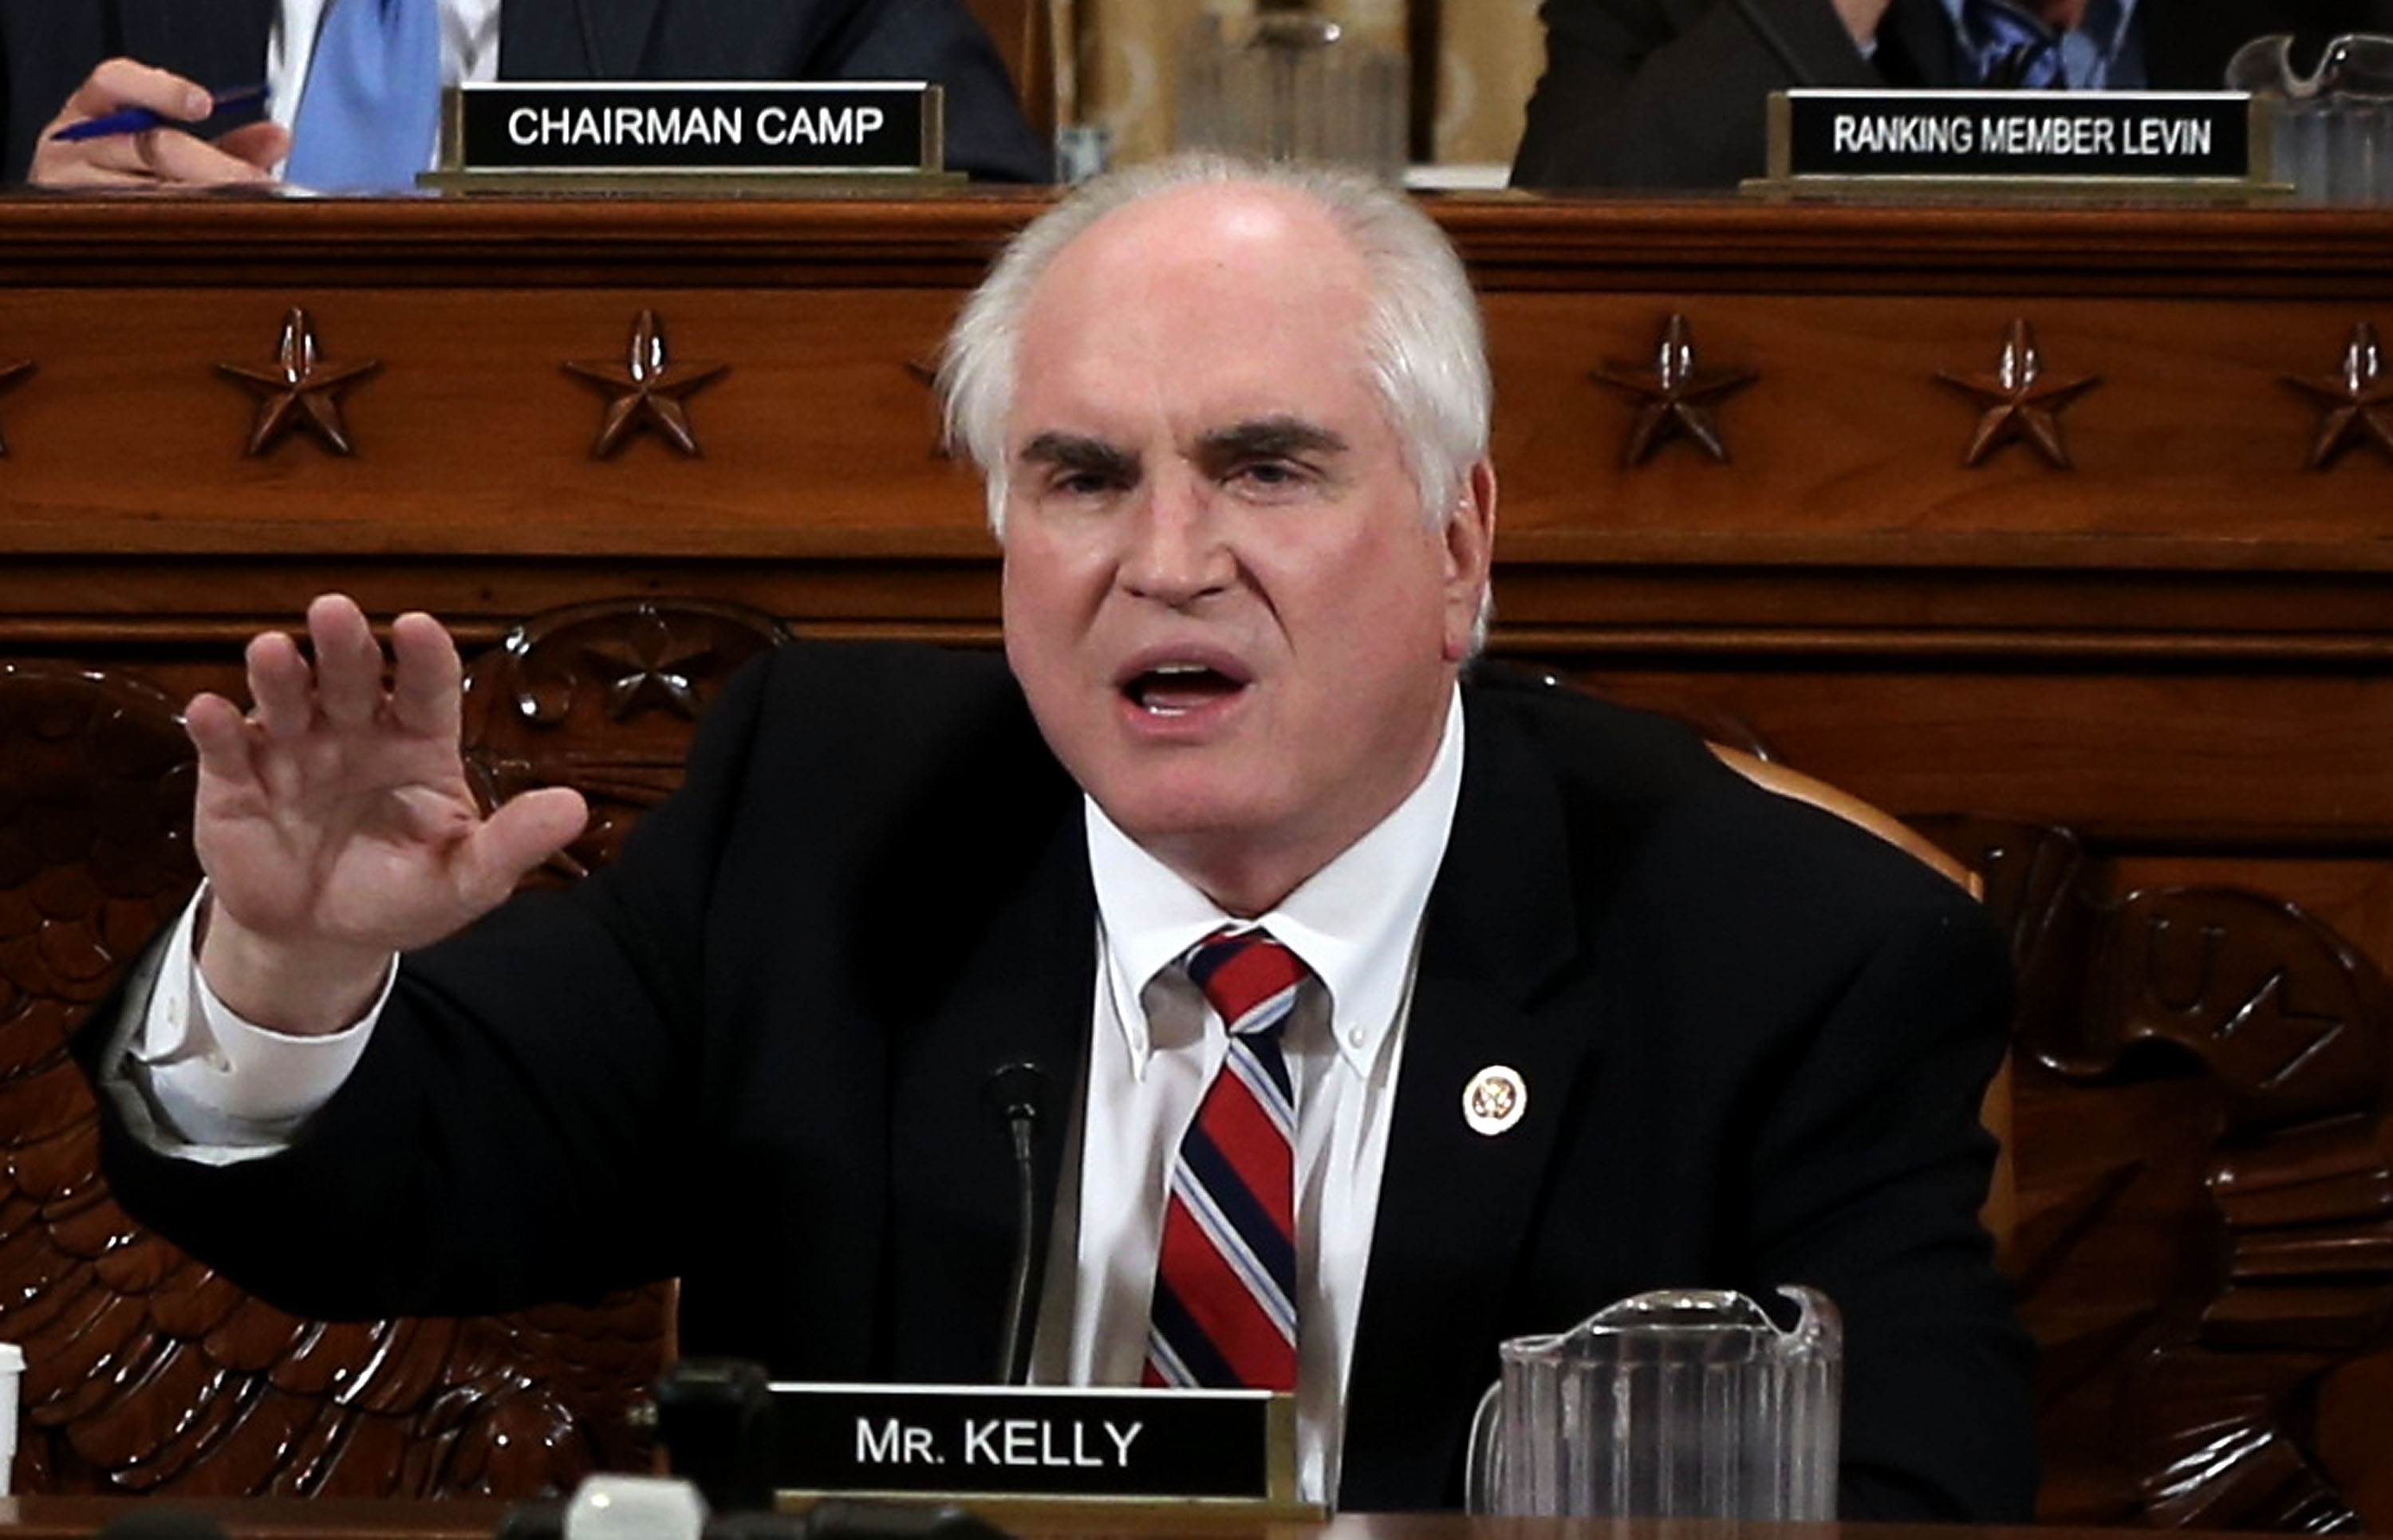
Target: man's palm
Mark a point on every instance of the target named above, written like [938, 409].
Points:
[334, 820]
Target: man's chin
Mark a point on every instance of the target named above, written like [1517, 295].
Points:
[1166, 822]
[1175, 818]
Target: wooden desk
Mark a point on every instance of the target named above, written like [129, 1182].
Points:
[337, 1518]
[2181, 644]
[39, 1518]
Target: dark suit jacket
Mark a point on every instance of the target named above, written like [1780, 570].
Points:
[1673, 92]
[753, 1054]
[47, 46]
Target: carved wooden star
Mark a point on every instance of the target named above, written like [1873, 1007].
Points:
[2019, 401]
[646, 389]
[12, 375]
[650, 669]
[2356, 402]
[299, 392]
[1678, 396]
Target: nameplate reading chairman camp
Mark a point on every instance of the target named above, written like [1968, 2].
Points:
[842, 126]
[2138, 137]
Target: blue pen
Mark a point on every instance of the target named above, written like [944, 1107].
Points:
[137, 120]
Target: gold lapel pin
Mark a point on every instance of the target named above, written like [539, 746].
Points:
[1495, 1099]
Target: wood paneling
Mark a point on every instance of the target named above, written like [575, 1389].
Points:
[2181, 647]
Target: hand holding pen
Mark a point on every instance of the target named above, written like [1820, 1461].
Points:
[140, 120]
[127, 127]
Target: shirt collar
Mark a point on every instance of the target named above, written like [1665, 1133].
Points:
[1354, 923]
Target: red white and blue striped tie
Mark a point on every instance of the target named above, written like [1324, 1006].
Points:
[1224, 1311]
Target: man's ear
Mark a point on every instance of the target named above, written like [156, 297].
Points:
[1470, 536]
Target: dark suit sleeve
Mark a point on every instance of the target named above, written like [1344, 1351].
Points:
[44, 56]
[1867, 1175]
[1673, 93]
[986, 134]
[520, 1114]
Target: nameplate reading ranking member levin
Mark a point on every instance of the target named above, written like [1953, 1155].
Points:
[845, 127]
[2107, 136]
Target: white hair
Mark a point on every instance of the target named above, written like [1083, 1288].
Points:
[1426, 345]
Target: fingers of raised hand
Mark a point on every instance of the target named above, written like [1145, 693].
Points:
[221, 734]
[427, 681]
[347, 687]
[519, 836]
[282, 686]
[349, 683]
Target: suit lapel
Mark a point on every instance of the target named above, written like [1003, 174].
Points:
[1023, 998]
[1930, 53]
[2186, 46]
[1455, 1204]
[543, 39]
[220, 44]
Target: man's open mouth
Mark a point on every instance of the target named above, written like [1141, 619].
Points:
[1175, 689]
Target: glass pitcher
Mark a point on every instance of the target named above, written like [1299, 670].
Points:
[1680, 1403]
[2333, 128]
[1292, 84]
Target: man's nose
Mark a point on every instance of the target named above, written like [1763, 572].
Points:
[1176, 551]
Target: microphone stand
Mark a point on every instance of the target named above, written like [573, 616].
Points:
[1019, 1093]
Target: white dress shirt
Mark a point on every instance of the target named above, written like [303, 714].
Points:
[225, 1089]
[469, 48]
[1357, 924]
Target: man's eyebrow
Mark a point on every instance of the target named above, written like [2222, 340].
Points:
[1074, 452]
[1270, 439]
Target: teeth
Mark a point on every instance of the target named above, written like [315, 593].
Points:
[1171, 671]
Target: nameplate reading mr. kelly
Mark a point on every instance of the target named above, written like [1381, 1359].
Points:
[1233, 1446]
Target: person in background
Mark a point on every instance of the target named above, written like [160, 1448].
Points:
[1672, 94]
[1388, 1011]
[63, 61]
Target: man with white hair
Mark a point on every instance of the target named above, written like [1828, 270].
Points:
[1398, 1014]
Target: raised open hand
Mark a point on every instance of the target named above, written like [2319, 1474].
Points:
[335, 823]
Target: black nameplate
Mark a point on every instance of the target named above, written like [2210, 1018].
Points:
[2107, 136]
[1038, 1441]
[712, 126]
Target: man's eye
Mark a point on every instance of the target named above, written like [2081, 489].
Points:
[1082, 483]
[1268, 474]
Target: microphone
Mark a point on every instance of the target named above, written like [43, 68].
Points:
[715, 1417]
[1020, 1092]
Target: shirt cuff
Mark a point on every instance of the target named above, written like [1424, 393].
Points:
[224, 1087]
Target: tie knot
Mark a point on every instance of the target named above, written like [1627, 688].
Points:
[2013, 47]
[1246, 976]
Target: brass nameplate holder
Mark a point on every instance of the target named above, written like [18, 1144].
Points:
[710, 137]
[1233, 1449]
[2104, 144]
